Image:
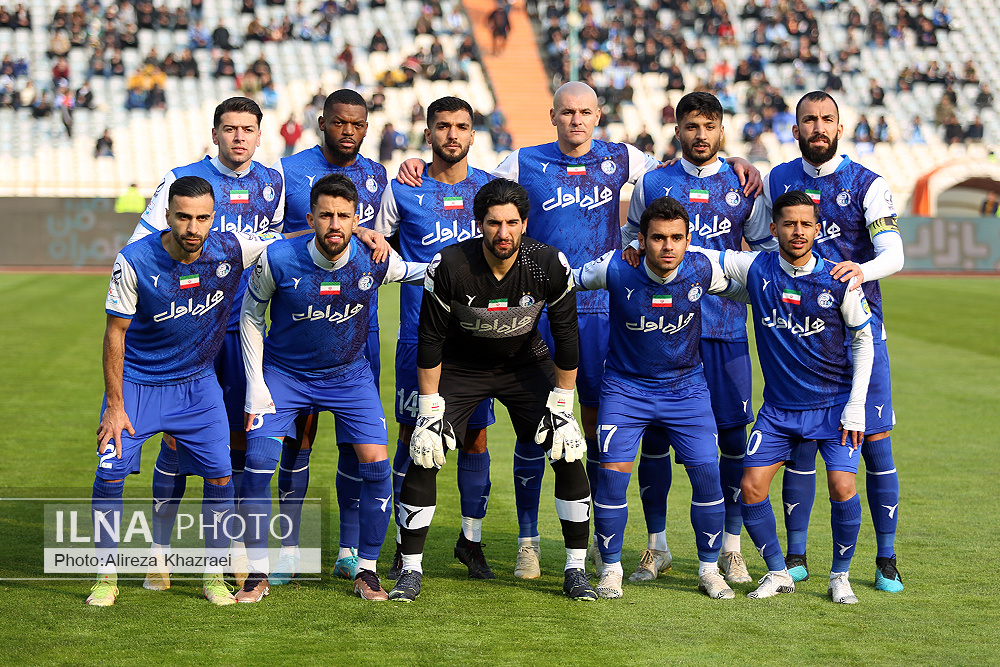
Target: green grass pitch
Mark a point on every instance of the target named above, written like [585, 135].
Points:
[945, 347]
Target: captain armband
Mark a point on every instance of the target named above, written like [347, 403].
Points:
[883, 225]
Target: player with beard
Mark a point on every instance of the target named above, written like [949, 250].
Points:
[721, 217]
[318, 288]
[478, 338]
[857, 231]
[344, 124]
[423, 220]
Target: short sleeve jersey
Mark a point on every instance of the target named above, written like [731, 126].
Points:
[319, 318]
[469, 318]
[850, 200]
[426, 219]
[656, 327]
[304, 168]
[178, 311]
[575, 201]
[719, 219]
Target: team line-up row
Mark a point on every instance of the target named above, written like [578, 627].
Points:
[653, 338]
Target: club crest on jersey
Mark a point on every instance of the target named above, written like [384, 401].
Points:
[371, 185]
[825, 300]
[791, 296]
[843, 199]
[330, 288]
[365, 283]
[733, 198]
[695, 293]
[576, 170]
[609, 166]
[223, 270]
[814, 195]
[268, 193]
[497, 304]
[239, 196]
[526, 301]
[187, 282]
[699, 196]
[663, 301]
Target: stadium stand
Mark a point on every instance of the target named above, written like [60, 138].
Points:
[425, 52]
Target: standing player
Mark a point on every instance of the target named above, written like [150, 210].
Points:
[804, 317]
[319, 288]
[246, 200]
[424, 220]
[654, 378]
[168, 304]
[721, 217]
[478, 338]
[858, 232]
[343, 126]
[574, 185]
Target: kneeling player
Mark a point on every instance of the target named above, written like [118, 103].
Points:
[319, 288]
[478, 338]
[813, 390]
[654, 378]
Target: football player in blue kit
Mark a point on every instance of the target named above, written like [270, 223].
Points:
[319, 288]
[858, 232]
[654, 378]
[168, 305]
[721, 218]
[246, 200]
[344, 125]
[574, 185]
[814, 342]
[423, 220]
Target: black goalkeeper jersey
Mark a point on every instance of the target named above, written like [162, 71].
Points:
[471, 319]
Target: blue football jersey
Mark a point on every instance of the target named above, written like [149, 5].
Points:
[720, 218]
[851, 198]
[424, 220]
[301, 170]
[178, 311]
[801, 333]
[575, 200]
[319, 318]
[246, 203]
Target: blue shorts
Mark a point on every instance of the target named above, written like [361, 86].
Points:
[350, 397]
[730, 381]
[406, 391]
[595, 331]
[192, 412]
[778, 433]
[879, 416]
[685, 415]
[233, 378]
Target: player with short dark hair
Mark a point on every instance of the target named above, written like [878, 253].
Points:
[814, 388]
[423, 220]
[858, 232]
[654, 378]
[319, 288]
[721, 217]
[246, 197]
[478, 338]
[344, 125]
[168, 304]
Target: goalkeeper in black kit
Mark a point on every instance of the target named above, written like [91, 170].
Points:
[478, 338]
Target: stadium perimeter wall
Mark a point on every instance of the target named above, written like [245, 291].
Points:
[86, 233]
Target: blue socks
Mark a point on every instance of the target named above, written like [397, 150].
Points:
[474, 483]
[216, 516]
[708, 512]
[593, 465]
[882, 486]
[349, 496]
[732, 445]
[611, 513]
[238, 458]
[529, 467]
[106, 511]
[168, 489]
[845, 519]
[255, 503]
[374, 513]
[798, 493]
[293, 481]
[758, 519]
[654, 475]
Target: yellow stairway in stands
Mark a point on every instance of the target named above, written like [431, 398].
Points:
[518, 76]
